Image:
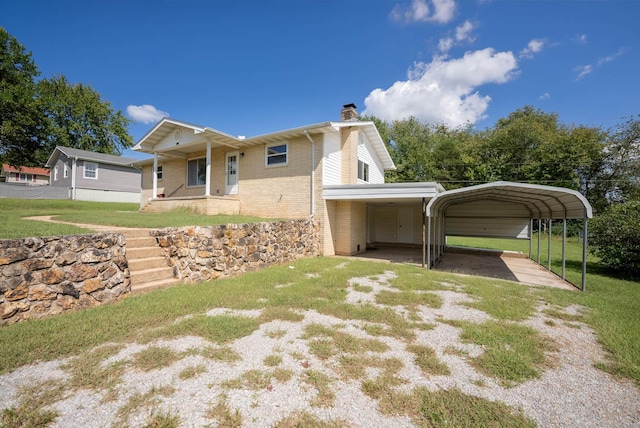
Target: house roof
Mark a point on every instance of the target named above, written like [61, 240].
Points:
[541, 201]
[25, 170]
[188, 137]
[89, 156]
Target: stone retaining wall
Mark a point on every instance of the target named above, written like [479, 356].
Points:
[51, 275]
[203, 253]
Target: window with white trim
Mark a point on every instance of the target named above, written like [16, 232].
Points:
[65, 173]
[55, 173]
[196, 172]
[276, 154]
[25, 177]
[159, 172]
[363, 171]
[90, 170]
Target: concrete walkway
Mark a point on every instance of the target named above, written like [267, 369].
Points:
[508, 266]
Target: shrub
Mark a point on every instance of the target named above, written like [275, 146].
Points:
[615, 237]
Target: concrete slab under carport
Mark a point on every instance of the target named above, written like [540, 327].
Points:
[515, 267]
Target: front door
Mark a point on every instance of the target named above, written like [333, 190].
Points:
[231, 181]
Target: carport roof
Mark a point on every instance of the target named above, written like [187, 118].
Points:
[542, 201]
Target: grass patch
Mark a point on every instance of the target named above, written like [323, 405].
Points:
[558, 314]
[502, 300]
[321, 382]
[31, 410]
[362, 288]
[276, 334]
[223, 414]
[279, 313]
[427, 360]
[155, 357]
[409, 299]
[224, 354]
[88, 372]
[138, 401]
[192, 371]
[513, 353]
[332, 342]
[272, 360]
[219, 329]
[258, 379]
[307, 420]
[162, 420]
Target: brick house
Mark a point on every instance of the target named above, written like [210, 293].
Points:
[333, 171]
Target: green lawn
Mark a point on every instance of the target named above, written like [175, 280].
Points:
[614, 303]
[12, 212]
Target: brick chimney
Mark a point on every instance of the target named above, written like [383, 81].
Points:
[348, 112]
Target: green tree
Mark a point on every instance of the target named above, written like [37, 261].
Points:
[22, 122]
[78, 118]
[615, 237]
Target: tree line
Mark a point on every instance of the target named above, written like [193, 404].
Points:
[36, 114]
[529, 145]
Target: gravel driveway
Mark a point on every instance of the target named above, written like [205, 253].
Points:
[570, 393]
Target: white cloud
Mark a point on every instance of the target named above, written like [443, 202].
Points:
[444, 90]
[583, 70]
[421, 11]
[581, 38]
[535, 46]
[545, 96]
[145, 113]
[462, 34]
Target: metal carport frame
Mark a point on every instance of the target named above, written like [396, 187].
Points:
[542, 202]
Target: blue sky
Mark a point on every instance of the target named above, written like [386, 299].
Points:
[254, 67]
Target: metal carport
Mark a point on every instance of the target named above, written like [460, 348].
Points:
[539, 202]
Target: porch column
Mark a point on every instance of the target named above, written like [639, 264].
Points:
[154, 195]
[207, 180]
[549, 245]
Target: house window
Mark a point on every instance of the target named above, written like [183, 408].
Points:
[159, 172]
[55, 173]
[363, 171]
[196, 172]
[66, 171]
[26, 177]
[276, 154]
[90, 170]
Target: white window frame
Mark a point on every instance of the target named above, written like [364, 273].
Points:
[363, 171]
[65, 173]
[204, 165]
[159, 172]
[94, 170]
[268, 157]
[25, 177]
[55, 173]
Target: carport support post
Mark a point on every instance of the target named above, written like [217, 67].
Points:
[530, 237]
[585, 230]
[428, 242]
[549, 246]
[154, 195]
[424, 213]
[564, 247]
[539, 232]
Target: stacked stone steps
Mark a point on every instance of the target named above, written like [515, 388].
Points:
[147, 266]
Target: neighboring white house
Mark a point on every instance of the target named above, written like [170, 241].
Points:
[25, 175]
[91, 176]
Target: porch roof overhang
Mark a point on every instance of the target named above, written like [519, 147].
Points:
[388, 193]
[174, 138]
[541, 201]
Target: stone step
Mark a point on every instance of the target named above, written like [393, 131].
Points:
[135, 233]
[136, 265]
[149, 275]
[153, 285]
[142, 241]
[143, 252]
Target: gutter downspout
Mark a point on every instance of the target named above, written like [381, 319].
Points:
[313, 167]
[74, 171]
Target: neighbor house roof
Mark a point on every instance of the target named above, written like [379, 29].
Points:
[89, 156]
[189, 137]
[25, 170]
